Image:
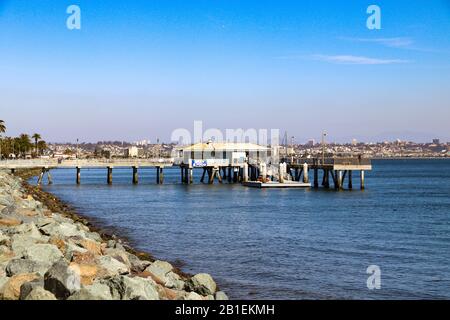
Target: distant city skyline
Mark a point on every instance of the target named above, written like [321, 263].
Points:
[140, 69]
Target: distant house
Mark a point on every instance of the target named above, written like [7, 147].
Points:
[134, 152]
[220, 154]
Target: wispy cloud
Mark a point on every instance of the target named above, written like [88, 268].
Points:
[358, 60]
[398, 42]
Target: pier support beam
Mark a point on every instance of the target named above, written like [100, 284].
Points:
[305, 173]
[13, 170]
[49, 177]
[41, 176]
[338, 179]
[203, 176]
[191, 175]
[78, 175]
[135, 175]
[245, 172]
[109, 175]
[159, 175]
[350, 182]
[316, 178]
[362, 180]
[229, 174]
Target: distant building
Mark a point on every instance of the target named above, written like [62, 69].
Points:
[134, 152]
[354, 142]
[311, 143]
[436, 141]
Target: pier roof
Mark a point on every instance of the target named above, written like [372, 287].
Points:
[224, 146]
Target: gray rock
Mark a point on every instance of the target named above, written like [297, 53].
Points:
[20, 242]
[137, 265]
[28, 229]
[126, 288]
[40, 293]
[220, 295]
[160, 269]
[47, 254]
[4, 239]
[18, 266]
[112, 266]
[61, 280]
[193, 296]
[72, 248]
[62, 230]
[27, 287]
[96, 291]
[201, 283]
[93, 236]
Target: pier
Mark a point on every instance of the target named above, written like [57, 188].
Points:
[337, 173]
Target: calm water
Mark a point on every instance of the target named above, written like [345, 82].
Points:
[286, 244]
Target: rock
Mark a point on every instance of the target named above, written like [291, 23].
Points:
[72, 250]
[111, 267]
[5, 254]
[220, 295]
[46, 254]
[10, 222]
[87, 272]
[27, 287]
[96, 291]
[89, 245]
[18, 266]
[4, 240]
[201, 283]
[61, 280]
[40, 293]
[94, 236]
[20, 242]
[119, 255]
[160, 269]
[62, 230]
[193, 296]
[27, 212]
[11, 289]
[28, 229]
[137, 265]
[126, 288]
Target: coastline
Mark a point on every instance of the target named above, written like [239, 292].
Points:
[64, 245]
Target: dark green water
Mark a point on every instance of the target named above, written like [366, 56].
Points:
[286, 244]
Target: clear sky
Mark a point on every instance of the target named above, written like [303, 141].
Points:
[140, 69]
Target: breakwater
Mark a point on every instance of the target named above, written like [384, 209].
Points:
[48, 252]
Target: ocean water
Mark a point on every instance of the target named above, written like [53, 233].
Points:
[285, 244]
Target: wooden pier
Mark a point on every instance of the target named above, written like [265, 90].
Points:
[291, 174]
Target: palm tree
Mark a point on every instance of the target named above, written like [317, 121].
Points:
[2, 130]
[36, 137]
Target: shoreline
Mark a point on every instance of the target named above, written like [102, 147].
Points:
[106, 263]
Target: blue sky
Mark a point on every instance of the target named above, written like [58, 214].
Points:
[140, 69]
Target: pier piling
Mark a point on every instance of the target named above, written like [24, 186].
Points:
[362, 180]
[109, 175]
[135, 175]
[78, 175]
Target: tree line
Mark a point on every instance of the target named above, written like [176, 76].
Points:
[22, 146]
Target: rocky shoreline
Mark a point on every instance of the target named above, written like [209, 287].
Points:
[48, 252]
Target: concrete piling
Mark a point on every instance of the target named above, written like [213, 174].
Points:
[109, 175]
[135, 175]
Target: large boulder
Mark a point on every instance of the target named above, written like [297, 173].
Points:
[95, 291]
[201, 283]
[220, 295]
[27, 287]
[18, 266]
[62, 230]
[61, 280]
[127, 288]
[111, 267]
[40, 293]
[87, 272]
[137, 265]
[46, 254]
[21, 242]
[11, 289]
